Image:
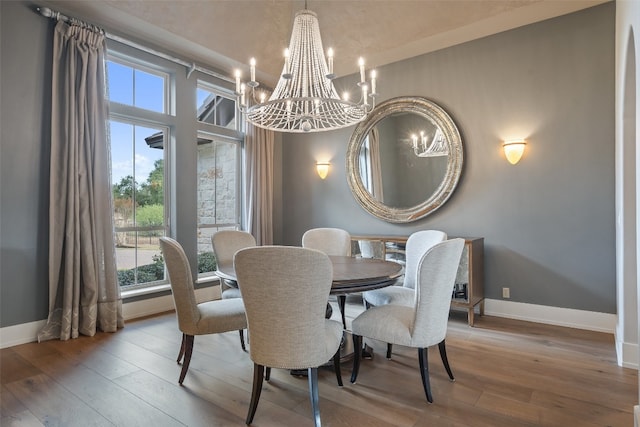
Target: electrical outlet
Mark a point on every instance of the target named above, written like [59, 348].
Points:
[505, 293]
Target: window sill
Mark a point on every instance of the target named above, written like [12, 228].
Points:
[134, 293]
[150, 291]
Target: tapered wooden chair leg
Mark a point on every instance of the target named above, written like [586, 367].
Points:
[267, 373]
[188, 349]
[181, 353]
[336, 367]
[342, 302]
[445, 361]
[389, 350]
[424, 371]
[313, 395]
[241, 331]
[357, 354]
[258, 373]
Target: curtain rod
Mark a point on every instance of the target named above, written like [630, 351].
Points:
[191, 67]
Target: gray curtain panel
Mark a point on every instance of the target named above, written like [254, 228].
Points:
[259, 146]
[83, 286]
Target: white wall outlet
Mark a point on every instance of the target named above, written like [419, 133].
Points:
[505, 293]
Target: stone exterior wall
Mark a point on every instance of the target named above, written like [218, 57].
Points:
[217, 189]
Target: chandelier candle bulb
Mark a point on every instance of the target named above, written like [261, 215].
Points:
[237, 81]
[252, 63]
[330, 60]
[287, 64]
[373, 82]
[242, 90]
[364, 94]
[361, 63]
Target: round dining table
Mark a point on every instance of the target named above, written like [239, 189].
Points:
[350, 275]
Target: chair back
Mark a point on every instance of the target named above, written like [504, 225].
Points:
[181, 284]
[227, 242]
[417, 245]
[285, 291]
[436, 276]
[331, 241]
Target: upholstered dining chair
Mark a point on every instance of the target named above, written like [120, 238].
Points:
[417, 245]
[210, 317]
[225, 244]
[331, 241]
[425, 323]
[285, 291]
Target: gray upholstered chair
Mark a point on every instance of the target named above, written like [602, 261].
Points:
[425, 323]
[285, 291]
[210, 317]
[225, 244]
[334, 242]
[417, 245]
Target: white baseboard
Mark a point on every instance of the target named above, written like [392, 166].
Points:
[568, 317]
[627, 353]
[27, 332]
[20, 334]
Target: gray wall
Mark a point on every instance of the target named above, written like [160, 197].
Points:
[548, 222]
[25, 98]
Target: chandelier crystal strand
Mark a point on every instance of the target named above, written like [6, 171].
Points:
[305, 99]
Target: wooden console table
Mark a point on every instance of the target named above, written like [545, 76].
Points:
[468, 291]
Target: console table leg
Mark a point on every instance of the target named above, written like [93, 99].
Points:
[471, 312]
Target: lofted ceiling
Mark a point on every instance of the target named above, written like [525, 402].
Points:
[224, 34]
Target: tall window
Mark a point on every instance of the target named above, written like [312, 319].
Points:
[138, 172]
[218, 183]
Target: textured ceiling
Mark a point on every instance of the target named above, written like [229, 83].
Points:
[226, 33]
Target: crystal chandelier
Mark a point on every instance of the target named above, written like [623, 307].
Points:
[305, 99]
[423, 148]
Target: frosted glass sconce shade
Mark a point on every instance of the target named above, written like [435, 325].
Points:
[323, 169]
[513, 150]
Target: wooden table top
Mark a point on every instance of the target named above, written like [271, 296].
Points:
[350, 274]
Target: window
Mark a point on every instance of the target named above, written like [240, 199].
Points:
[138, 172]
[214, 107]
[151, 136]
[218, 182]
[131, 85]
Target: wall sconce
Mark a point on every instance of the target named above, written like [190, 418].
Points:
[323, 169]
[513, 150]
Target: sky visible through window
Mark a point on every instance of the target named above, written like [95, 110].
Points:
[130, 153]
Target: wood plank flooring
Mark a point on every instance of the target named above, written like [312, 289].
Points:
[508, 373]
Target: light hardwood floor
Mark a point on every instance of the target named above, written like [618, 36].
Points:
[508, 373]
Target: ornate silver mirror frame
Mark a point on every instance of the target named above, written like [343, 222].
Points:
[450, 148]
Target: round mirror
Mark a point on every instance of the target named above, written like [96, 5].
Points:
[404, 160]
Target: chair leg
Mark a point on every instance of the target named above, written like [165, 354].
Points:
[313, 395]
[181, 353]
[188, 349]
[267, 373]
[424, 371]
[342, 302]
[258, 372]
[241, 331]
[357, 351]
[445, 361]
[336, 366]
[389, 350]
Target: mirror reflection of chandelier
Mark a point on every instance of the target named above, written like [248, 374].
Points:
[423, 148]
[305, 99]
